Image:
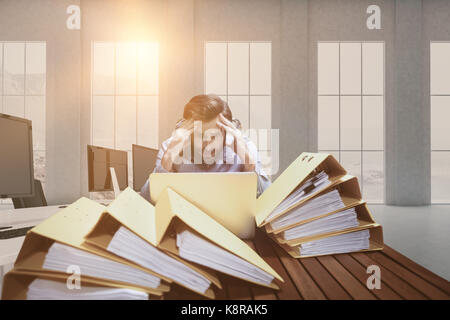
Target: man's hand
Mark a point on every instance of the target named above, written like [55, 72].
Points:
[180, 137]
[239, 144]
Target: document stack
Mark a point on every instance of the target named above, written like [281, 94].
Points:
[195, 243]
[130, 250]
[315, 208]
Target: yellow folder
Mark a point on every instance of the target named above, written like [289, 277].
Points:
[304, 167]
[365, 220]
[349, 191]
[135, 213]
[69, 226]
[375, 242]
[159, 226]
[16, 282]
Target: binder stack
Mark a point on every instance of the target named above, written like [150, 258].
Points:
[131, 250]
[315, 208]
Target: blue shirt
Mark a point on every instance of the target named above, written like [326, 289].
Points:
[234, 165]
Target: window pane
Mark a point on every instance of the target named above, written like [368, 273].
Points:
[35, 111]
[216, 68]
[240, 109]
[350, 123]
[328, 68]
[260, 118]
[373, 68]
[260, 112]
[260, 68]
[440, 127]
[350, 68]
[351, 161]
[148, 121]
[14, 105]
[148, 65]
[238, 68]
[440, 68]
[328, 123]
[14, 68]
[103, 121]
[39, 167]
[373, 120]
[125, 122]
[103, 68]
[126, 68]
[35, 68]
[373, 175]
[440, 177]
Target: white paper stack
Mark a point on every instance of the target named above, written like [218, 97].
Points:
[328, 202]
[196, 249]
[60, 257]
[41, 289]
[342, 243]
[128, 245]
[338, 221]
[312, 185]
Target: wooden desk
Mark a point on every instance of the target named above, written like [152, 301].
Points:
[340, 277]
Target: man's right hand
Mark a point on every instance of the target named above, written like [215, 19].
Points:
[180, 137]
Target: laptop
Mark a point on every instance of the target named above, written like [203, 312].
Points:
[229, 198]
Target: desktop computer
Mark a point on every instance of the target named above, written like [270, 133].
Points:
[17, 169]
[143, 164]
[100, 162]
[16, 161]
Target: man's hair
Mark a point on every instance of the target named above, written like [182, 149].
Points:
[206, 107]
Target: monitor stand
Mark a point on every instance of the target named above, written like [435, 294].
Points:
[115, 183]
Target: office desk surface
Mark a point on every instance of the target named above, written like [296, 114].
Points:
[341, 276]
[19, 218]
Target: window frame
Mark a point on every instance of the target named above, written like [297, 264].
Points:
[339, 95]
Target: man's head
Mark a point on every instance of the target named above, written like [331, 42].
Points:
[204, 110]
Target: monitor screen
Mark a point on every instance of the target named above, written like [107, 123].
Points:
[143, 164]
[16, 160]
[99, 161]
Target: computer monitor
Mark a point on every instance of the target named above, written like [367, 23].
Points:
[100, 160]
[144, 160]
[16, 159]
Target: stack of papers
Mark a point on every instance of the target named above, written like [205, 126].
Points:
[59, 257]
[342, 243]
[41, 289]
[196, 249]
[128, 245]
[311, 186]
[338, 221]
[328, 202]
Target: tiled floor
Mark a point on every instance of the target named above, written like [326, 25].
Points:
[420, 233]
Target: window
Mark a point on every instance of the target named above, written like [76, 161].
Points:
[440, 127]
[22, 92]
[351, 110]
[241, 74]
[125, 96]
